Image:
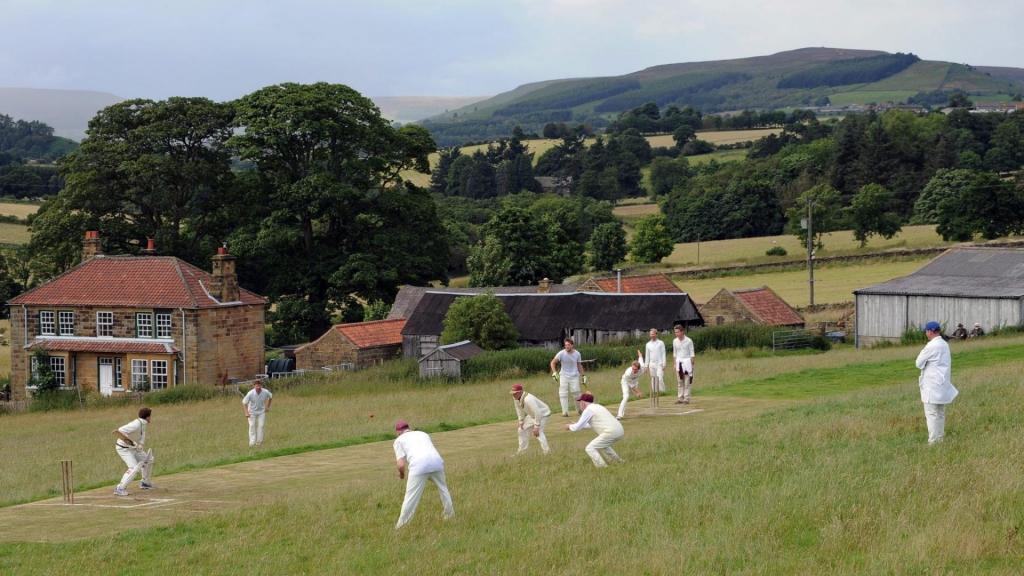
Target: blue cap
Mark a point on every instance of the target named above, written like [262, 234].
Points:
[933, 326]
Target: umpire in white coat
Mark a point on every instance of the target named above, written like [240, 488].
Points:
[532, 415]
[936, 384]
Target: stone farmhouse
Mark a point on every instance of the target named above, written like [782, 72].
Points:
[750, 306]
[117, 323]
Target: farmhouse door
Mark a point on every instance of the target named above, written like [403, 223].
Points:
[106, 376]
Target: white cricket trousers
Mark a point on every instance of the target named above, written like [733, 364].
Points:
[527, 430]
[935, 416]
[684, 384]
[625, 400]
[568, 387]
[137, 461]
[414, 486]
[603, 443]
[256, 424]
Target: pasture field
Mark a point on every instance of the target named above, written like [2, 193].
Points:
[14, 233]
[839, 243]
[833, 283]
[864, 96]
[19, 209]
[542, 145]
[811, 464]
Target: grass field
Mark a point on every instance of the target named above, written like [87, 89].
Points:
[19, 209]
[833, 284]
[752, 250]
[869, 97]
[540, 146]
[14, 233]
[797, 465]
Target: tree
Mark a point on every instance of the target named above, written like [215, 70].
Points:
[145, 170]
[959, 99]
[651, 240]
[330, 200]
[481, 319]
[376, 310]
[666, 173]
[683, 134]
[872, 211]
[944, 183]
[43, 378]
[826, 210]
[607, 246]
[439, 176]
[987, 205]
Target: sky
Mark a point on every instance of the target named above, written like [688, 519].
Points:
[223, 49]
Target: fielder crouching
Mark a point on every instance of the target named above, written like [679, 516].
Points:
[609, 429]
[130, 445]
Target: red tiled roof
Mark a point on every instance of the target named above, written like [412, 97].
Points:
[130, 281]
[103, 346]
[374, 333]
[646, 284]
[768, 306]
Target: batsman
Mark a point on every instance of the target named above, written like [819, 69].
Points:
[130, 445]
[570, 373]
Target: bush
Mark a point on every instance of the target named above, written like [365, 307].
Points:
[913, 335]
[732, 336]
[481, 319]
[180, 394]
[54, 400]
[776, 251]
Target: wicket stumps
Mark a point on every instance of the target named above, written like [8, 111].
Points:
[67, 481]
[655, 392]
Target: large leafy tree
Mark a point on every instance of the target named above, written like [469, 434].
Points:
[520, 248]
[651, 240]
[825, 206]
[988, 206]
[873, 211]
[146, 169]
[607, 246]
[331, 218]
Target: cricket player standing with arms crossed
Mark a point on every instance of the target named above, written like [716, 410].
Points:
[683, 360]
[255, 405]
[130, 445]
[569, 375]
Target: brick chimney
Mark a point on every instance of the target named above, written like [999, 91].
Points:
[225, 281]
[544, 286]
[91, 245]
[150, 249]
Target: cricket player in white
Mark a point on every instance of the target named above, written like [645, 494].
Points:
[631, 382]
[532, 415]
[130, 445]
[600, 420]
[255, 405]
[569, 374]
[417, 458]
[936, 383]
[682, 361]
[655, 362]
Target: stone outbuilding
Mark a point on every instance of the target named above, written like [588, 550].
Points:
[359, 344]
[639, 284]
[116, 323]
[447, 361]
[960, 286]
[750, 306]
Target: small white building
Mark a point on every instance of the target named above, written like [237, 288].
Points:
[961, 286]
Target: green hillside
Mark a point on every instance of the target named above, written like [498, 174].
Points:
[797, 78]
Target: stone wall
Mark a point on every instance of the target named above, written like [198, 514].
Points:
[723, 308]
[228, 345]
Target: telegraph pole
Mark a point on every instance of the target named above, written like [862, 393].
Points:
[810, 247]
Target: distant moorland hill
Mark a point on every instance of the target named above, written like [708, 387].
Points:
[406, 109]
[807, 77]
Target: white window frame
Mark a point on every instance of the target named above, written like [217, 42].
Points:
[118, 381]
[138, 377]
[66, 322]
[158, 374]
[104, 324]
[143, 329]
[59, 366]
[47, 318]
[163, 325]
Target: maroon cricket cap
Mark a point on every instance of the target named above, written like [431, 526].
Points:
[401, 425]
[516, 388]
[585, 397]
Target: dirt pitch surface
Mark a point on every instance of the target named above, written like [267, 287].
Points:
[188, 495]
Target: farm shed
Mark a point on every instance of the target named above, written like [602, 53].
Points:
[962, 285]
[750, 306]
[360, 344]
[408, 297]
[545, 319]
[446, 361]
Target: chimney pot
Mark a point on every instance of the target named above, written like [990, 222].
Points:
[91, 245]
